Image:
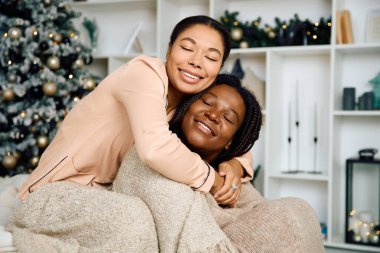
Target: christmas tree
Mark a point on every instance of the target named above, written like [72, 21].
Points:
[42, 75]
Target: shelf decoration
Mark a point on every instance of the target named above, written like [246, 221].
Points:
[282, 33]
[362, 201]
[373, 26]
[42, 76]
[349, 98]
[376, 90]
[343, 27]
[315, 141]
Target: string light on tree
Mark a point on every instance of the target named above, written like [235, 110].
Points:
[23, 114]
[12, 77]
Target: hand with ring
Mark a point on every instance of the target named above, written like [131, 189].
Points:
[230, 192]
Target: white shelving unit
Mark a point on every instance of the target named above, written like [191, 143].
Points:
[321, 72]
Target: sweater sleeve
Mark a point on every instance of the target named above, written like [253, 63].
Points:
[246, 161]
[140, 86]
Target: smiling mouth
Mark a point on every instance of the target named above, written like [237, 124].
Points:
[190, 75]
[206, 128]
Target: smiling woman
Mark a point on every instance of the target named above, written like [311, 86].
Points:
[212, 121]
[219, 124]
[132, 106]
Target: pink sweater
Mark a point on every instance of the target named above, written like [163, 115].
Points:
[127, 108]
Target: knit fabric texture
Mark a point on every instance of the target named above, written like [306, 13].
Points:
[150, 213]
[67, 217]
[182, 217]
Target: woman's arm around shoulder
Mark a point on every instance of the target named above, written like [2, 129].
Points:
[141, 86]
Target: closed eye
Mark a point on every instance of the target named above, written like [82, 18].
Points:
[229, 120]
[187, 49]
[211, 59]
[207, 102]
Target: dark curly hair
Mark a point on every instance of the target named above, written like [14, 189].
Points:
[248, 132]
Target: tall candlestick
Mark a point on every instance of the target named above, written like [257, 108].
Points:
[289, 136]
[315, 122]
[298, 128]
[289, 121]
[297, 104]
[315, 139]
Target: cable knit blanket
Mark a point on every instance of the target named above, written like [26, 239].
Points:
[139, 217]
[147, 212]
[257, 225]
[182, 216]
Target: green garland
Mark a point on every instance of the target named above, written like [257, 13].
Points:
[282, 33]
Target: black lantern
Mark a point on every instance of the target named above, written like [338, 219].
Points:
[363, 201]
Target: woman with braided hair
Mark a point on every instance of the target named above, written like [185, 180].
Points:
[202, 111]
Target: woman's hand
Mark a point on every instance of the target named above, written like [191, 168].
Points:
[218, 183]
[232, 171]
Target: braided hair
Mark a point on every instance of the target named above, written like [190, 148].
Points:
[248, 132]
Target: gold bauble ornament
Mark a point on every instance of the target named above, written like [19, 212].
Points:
[8, 95]
[78, 64]
[244, 44]
[271, 35]
[236, 34]
[53, 63]
[58, 37]
[34, 161]
[89, 84]
[42, 141]
[9, 162]
[17, 155]
[50, 88]
[14, 33]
